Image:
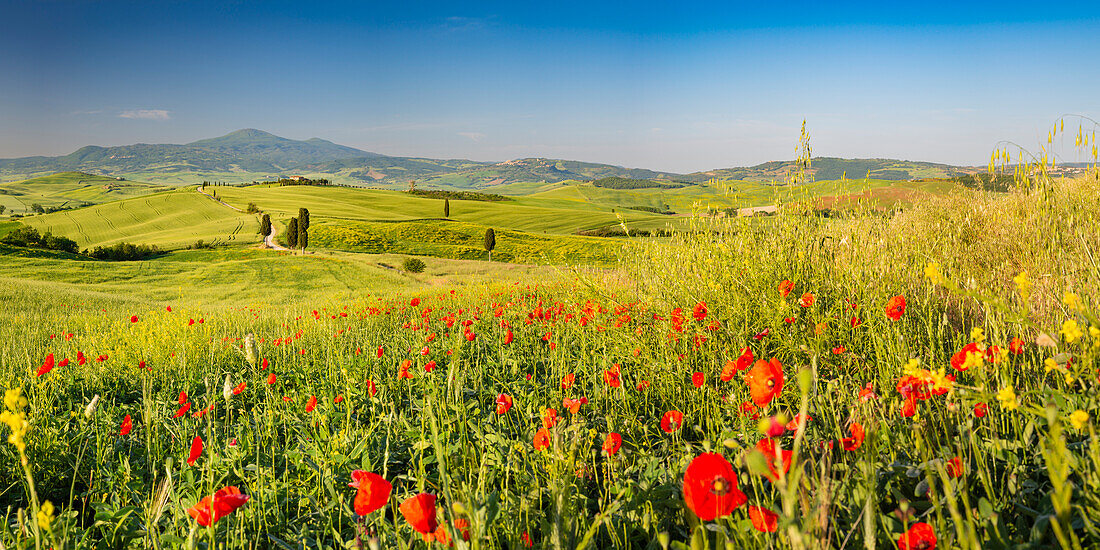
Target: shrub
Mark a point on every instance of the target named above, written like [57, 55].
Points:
[124, 252]
[414, 265]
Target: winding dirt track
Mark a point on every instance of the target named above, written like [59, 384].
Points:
[268, 240]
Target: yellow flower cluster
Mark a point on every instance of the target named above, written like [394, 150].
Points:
[1079, 419]
[45, 515]
[932, 271]
[14, 417]
[1071, 331]
[1007, 397]
[1023, 285]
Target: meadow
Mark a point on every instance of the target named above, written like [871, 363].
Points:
[924, 378]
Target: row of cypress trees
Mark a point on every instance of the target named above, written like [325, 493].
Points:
[297, 229]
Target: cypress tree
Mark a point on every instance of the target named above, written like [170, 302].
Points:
[265, 226]
[303, 218]
[303, 236]
[292, 233]
[446, 208]
[490, 242]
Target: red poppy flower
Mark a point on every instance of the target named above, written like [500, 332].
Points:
[612, 442]
[373, 491]
[263, 364]
[954, 467]
[710, 487]
[567, 381]
[767, 447]
[504, 402]
[462, 525]
[527, 539]
[958, 361]
[311, 404]
[855, 322]
[773, 427]
[371, 388]
[611, 376]
[196, 451]
[210, 509]
[642, 385]
[127, 425]
[852, 443]
[799, 420]
[980, 410]
[909, 407]
[47, 365]
[785, 288]
[549, 418]
[414, 302]
[419, 511]
[271, 379]
[895, 308]
[867, 393]
[1016, 346]
[133, 318]
[429, 366]
[339, 398]
[671, 421]
[508, 337]
[763, 520]
[380, 350]
[182, 398]
[240, 388]
[760, 335]
[699, 312]
[806, 300]
[542, 439]
[765, 381]
[182, 410]
[839, 350]
[732, 367]
[574, 405]
[698, 379]
[919, 537]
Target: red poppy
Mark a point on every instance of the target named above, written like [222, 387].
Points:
[1016, 346]
[210, 509]
[671, 421]
[373, 491]
[642, 385]
[763, 520]
[806, 300]
[263, 364]
[767, 447]
[895, 308]
[182, 398]
[867, 393]
[339, 398]
[504, 402]
[699, 312]
[429, 366]
[958, 361]
[47, 365]
[542, 439]
[785, 288]
[856, 440]
[611, 376]
[508, 337]
[773, 427]
[799, 420]
[549, 418]
[240, 388]
[919, 537]
[270, 379]
[954, 467]
[462, 525]
[732, 367]
[760, 335]
[765, 381]
[127, 425]
[612, 442]
[567, 381]
[980, 410]
[380, 350]
[574, 405]
[133, 318]
[311, 404]
[527, 540]
[855, 322]
[909, 407]
[182, 410]
[839, 350]
[414, 302]
[710, 487]
[419, 511]
[371, 388]
[698, 379]
[196, 451]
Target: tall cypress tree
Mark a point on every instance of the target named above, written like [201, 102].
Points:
[265, 226]
[446, 208]
[303, 236]
[490, 242]
[292, 233]
[303, 218]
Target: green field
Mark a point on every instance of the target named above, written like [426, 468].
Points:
[170, 220]
[69, 189]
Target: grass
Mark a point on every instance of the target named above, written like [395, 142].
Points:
[69, 189]
[1001, 454]
[170, 220]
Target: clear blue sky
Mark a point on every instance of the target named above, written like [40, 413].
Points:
[655, 85]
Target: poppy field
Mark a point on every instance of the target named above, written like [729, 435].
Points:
[908, 381]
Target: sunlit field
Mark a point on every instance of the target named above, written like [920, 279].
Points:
[918, 379]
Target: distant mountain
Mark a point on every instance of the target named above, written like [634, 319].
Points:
[251, 154]
[832, 168]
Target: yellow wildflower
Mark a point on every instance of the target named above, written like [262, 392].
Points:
[940, 381]
[1079, 419]
[1023, 285]
[1050, 364]
[1007, 397]
[45, 515]
[1071, 332]
[977, 335]
[912, 368]
[1072, 301]
[932, 271]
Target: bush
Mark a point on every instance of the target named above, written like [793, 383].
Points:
[414, 265]
[28, 237]
[200, 245]
[124, 252]
[252, 208]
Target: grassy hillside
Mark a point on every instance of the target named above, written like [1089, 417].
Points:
[169, 220]
[534, 214]
[69, 189]
[831, 168]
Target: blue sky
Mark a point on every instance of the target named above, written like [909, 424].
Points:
[654, 85]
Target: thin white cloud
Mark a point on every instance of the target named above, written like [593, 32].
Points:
[474, 136]
[146, 114]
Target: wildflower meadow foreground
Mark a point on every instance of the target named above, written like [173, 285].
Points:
[741, 387]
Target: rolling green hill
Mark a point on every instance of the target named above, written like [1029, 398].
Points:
[170, 220]
[831, 168]
[69, 190]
